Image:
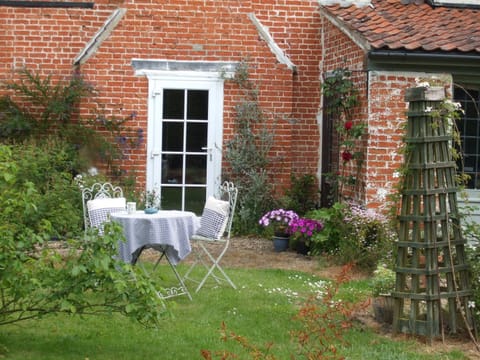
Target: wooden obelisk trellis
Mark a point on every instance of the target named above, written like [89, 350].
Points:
[432, 276]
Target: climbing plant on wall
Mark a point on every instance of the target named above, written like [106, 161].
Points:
[248, 156]
[343, 97]
[36, 106]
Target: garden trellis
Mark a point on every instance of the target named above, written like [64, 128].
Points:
[432, 276]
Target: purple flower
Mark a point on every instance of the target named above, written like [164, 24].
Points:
[304, 228]
[278, 218]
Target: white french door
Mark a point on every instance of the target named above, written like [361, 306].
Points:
[185, 129]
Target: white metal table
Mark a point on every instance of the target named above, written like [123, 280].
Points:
[168, 231]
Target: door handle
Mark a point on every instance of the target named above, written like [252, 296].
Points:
[155, 152]
[209, 151]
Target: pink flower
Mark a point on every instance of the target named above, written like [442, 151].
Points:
[304, 228]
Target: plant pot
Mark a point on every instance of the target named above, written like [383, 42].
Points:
[280, 243]
[383, 309]
[302, 248]
[150, 210]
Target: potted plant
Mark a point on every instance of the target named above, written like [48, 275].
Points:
[151, 199]
[383, 284]
[302, 230]
[279, 220]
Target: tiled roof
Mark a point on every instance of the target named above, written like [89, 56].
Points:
[391, 25]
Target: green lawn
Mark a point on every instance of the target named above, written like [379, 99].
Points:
[261, 310]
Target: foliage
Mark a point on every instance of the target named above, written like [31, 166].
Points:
[334, 229]
[383, 281]
[343, 98]
[302, 196]
[473, 255]
[324, 323]
[341, 92]
[151, 199]
[37, 280]
[248, 154]
[354, 234]
[50, 106]
[279, 220]
[37, 107]
[47, 165]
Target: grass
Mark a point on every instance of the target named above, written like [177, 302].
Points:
[261, 310]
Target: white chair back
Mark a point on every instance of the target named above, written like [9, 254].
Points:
[229, 192]
[98, 191]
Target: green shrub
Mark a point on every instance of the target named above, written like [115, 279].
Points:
[47, 165]
[334, 229]
[303, 194]
[39, 107]
[35, 279]
[354, 234]
[383, 281]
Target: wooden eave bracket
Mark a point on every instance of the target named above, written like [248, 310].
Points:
[274, 48]
[101, 35]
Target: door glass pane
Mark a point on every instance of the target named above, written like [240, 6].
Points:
[172, 136]
[195, 199]
[197, 105]
[172, 166]
[171, 198]
[196, 169]
[196, 136]
[173, 104]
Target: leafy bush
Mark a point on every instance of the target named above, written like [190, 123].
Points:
[354, 234]
[383, 281]
[50, 107]
[334, 229]
[303, 194]
[47, 165]
[36, 279]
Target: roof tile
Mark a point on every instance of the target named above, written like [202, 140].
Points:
[389, 24]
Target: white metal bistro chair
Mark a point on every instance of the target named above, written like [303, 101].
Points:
[215, 228]
[99, 201]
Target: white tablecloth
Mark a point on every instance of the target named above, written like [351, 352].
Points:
[168, 229]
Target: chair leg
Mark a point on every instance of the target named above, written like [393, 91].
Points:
[198, 260]
[215, 265]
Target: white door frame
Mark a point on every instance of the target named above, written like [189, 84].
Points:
[157, 80]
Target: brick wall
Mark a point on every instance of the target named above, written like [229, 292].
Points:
[47, 40]
[386, 122]
[383, 110]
